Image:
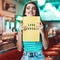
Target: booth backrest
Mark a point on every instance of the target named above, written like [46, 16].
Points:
[11, 55]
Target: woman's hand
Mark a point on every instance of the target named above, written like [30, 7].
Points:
[23, 28]
[44, 36]
[40, 26]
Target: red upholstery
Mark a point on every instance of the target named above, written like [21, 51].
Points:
[50, 53]
[54, 49]
[16, 55]
[49, 58]
[57, 46]
[11, 55]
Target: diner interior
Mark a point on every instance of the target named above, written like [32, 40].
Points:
[10, 22]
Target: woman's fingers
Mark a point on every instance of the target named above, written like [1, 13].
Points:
[23, 27]
[39, 25]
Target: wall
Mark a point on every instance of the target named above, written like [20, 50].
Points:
[18, 9]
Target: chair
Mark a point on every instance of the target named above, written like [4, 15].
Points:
[51, 55]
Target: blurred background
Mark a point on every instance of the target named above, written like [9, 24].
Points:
[11, 20]
[49, 9]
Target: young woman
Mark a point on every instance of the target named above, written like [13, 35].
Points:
[32, 50]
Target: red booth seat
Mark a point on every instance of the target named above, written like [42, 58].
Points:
[11, 55]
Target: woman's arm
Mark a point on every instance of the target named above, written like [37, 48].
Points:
[44, 36]
[19, 38]
[45, 41]
[19, 41]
